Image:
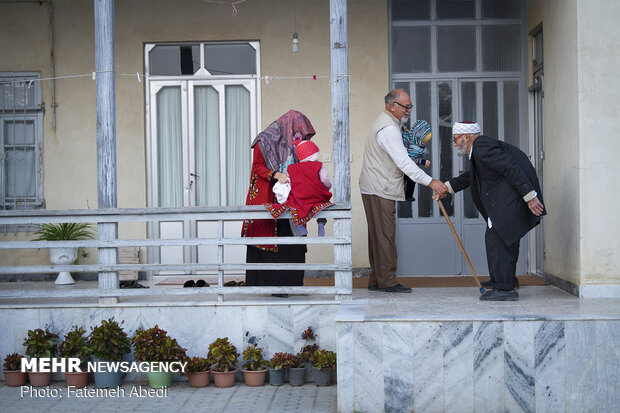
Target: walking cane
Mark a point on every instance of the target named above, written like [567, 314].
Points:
[456, 237]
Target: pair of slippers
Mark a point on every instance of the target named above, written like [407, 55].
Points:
[198, 283]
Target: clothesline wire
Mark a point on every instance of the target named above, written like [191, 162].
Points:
[138, 75]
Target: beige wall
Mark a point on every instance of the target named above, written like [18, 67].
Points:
[70, 164]
[599, 114]
[581, 54]
[561, 183]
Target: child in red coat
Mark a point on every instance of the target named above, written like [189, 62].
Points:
[310, 186]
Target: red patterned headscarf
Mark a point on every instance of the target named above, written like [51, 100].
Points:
[277, 141]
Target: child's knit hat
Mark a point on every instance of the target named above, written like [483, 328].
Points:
[305, 149]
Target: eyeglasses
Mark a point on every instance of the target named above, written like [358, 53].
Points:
[408, 107]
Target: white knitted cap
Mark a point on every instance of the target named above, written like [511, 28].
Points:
[465, 127]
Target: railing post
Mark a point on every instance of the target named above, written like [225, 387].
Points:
[220, 258]
[106, 137]
[340, 131]
[340, 101]
[342, 256]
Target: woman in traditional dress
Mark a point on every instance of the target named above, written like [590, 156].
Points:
[274, 151]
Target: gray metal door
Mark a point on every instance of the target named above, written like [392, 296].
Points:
[425, 243]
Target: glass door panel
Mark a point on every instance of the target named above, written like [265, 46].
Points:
[469, 112]
[207, 146]
[238, 138]
[170, 147]
[446, 152]
[169, 127]
[423, 112]
[512, 133]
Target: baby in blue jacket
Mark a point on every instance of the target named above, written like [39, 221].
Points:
[415, 141]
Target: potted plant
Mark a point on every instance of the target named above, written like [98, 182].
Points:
[109, 342]
[323, 362]
[62, 256]
[254, 369]
[223, 357]
[297, 369]
[154, 344]
[198, 371]
[75, 344]
[307, 351]
[40, 344]
[13, 374]
[277, 366]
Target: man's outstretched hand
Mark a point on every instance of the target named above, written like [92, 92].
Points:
[441, 190]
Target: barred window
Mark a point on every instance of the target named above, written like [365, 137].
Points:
[20, 141]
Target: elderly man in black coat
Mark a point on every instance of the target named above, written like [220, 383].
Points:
[505, 189]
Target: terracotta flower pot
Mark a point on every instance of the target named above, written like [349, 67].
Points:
[199, 379]
[14, 378]
[39, 379]
[254, 378]
[224, 378]
[77, 379]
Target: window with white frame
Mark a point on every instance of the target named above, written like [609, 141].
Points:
[21, 113]
[203, 115]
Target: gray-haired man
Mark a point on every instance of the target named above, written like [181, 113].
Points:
[381, 184]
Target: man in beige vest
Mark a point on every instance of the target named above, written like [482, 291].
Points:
[381, 185]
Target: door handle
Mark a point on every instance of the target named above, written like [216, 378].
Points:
[194, 175]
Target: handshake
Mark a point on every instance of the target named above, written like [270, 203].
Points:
[440, 189]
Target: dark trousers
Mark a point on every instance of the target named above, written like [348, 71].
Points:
[409, 188]
[286, 254]
[380, 217]
[502, 260]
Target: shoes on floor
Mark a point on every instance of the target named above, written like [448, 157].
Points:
[489, 284]
[396, 289]
[233, 283]
[192, 283]
[499, 295]
[373, 287]
[131, 284]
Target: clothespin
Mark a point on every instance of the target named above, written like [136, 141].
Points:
[94, 76]
[313, 77]
[138, 75]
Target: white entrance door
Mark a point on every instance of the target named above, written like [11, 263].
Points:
[200, 133]
[425, 243]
